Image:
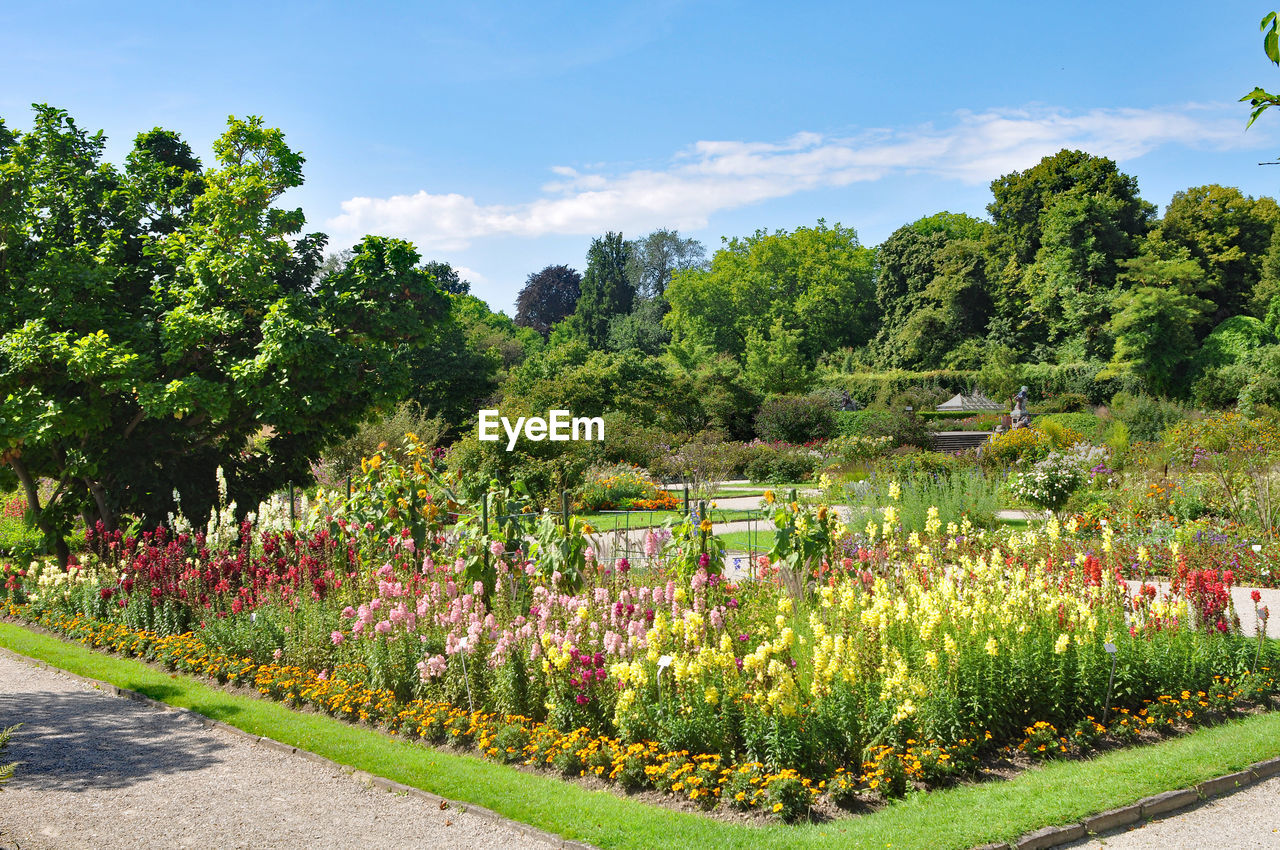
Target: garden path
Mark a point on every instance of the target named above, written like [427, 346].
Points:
[102, 772]
[1240, 597]
[1241, 821]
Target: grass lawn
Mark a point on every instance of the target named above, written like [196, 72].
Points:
[962, 817]
[611, 521]
[743, 541]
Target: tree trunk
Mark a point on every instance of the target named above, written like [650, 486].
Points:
[60, 547]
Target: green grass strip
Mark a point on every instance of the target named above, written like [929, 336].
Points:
[1061, 792]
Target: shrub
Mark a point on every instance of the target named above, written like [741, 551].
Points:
[904, 430]
[780, 464]
[1022, 445]
[1060, 436]
[705, 460]
[382, 433]
[1065, 403]
[1050, 482]
[863, 423]
[795, 419]
[851, 450]
[1085, 424]
[1146, 417]
[631, 442]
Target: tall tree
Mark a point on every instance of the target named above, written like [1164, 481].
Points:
[1154, 331]
[161, 322]
[1021, 199]
[658, 256]
[931, 289]
[446, 278]
[547, 297]
[606, 288]
[817, 280]
[1229, 234]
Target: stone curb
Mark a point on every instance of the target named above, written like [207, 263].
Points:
[358, 775]
[1147, 808]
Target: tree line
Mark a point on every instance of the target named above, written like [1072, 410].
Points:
[167, 317]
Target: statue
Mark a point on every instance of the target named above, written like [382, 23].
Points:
[1019, 415]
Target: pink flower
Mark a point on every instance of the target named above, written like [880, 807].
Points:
[651, 544]
[496, 548]
[278, 654]
[337, 638]
[383, 627]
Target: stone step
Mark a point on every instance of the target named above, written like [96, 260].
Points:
[954, 441]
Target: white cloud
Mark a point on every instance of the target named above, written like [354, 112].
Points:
[710, 176]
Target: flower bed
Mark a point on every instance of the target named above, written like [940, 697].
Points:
[865, 664]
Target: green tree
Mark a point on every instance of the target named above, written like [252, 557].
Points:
[1154, 331]
[1229, 234]
[446, 278]
[1069, 287]
[1021, 199]
[641, 329]
[775, 362]
[461, 368]
[607, 290]
[163, 321]
[816, 280]
[932, 290]
[657, 257]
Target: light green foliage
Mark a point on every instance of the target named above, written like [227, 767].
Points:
[1233, 339]
[816, 280]
[1154, 332]
[6, 770]
[1260, 99]
[775, 362]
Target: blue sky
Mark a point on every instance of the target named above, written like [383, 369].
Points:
[502, 136]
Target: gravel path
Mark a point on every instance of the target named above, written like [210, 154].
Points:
[1246, 819]
[102, 772]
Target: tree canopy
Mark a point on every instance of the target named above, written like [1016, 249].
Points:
[164, 320]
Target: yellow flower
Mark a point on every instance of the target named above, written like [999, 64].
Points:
[769, 497]
[704, 526]
[992, 647]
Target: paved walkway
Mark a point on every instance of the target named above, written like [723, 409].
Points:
[1241, 821]
[103, 772]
